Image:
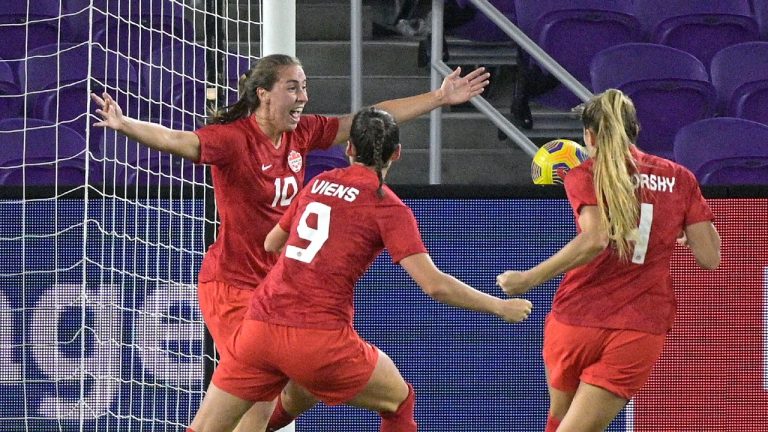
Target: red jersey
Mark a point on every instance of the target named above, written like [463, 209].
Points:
[635, 294]
[254, 184]
[337, 226]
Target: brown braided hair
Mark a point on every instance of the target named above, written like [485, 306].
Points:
[375, 136]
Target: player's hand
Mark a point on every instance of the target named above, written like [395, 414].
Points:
[457, 89]
[682, 239]
[515, 310]
[109, 110]
[514, 282]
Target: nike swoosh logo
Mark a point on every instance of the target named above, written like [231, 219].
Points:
[265, 167]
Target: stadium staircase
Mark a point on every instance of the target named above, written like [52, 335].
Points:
[473, 153]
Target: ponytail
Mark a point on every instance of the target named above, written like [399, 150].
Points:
[611, 116]
[375, 136]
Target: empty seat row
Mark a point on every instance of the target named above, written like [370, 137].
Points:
[671, 88]
[41, 153]
[573, 31]
[28, 25]
[55, 84]
[724, 151]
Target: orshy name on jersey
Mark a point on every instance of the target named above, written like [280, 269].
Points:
[654, 182]
[323, 187]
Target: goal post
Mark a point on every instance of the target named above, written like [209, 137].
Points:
[101, 238]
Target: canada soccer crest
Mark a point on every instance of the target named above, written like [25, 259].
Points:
[294, 161]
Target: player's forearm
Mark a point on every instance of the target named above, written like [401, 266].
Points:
[453, 292]
[409, 108]
[579, 251]
[161, 138]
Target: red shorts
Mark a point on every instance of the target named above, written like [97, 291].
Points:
[619, 361]
[334, 365]
[223, 307]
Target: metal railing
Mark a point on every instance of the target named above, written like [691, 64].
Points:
[439, 70]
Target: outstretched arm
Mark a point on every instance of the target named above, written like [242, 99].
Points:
[454, 90]
[582, 249]
[181, 143]
[451, 291]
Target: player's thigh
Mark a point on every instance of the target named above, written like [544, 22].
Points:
[592, 409]
[296, 399]
[559, 400]
[385, 390]
[223, 307]
[220, 411]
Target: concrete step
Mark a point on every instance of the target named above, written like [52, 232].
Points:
[329, 21]
[333, 58]
[475, 131]
[464, 166]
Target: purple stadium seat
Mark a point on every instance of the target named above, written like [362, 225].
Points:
[740, 76]
[760, 12]
[11, 99]
[39, 153]
[324, 160]
[724, 151]
[57, 73]
[130, 41]
[700, 27]
[670, 88]
[22, 29]
[236, 66]
[176, 77]
[125, 162]
[573, 31]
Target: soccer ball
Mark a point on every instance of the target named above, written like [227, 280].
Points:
[555, 158]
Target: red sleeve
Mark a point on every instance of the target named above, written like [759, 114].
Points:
[698, 210]
[219, 143]
[580, 189]
[400, 232]
[319, 131]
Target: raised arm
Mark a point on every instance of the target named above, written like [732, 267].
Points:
[704, 241]
[582, 249]
[454, 90]
[451, 291]
[181, 143]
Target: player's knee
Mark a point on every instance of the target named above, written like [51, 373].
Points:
[400, 406]
[402, 419]
[296, 399]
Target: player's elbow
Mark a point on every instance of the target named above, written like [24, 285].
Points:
[436, 287]
[594, 242]
[710, 261]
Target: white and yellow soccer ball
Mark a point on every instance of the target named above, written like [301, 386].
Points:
[554, 159]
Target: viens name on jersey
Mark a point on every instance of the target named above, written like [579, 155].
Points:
[323, 187]
[654, 182]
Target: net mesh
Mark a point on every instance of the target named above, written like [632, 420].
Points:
[100, 324]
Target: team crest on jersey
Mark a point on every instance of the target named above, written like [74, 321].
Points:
[294, 161]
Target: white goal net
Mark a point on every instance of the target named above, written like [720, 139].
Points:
[101, 238]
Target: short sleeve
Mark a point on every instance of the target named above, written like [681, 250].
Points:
[400, 232]
[698, 210]
[319, 131]
[219, 143]
[579, 188]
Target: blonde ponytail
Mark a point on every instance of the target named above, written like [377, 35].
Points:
[611, 116]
